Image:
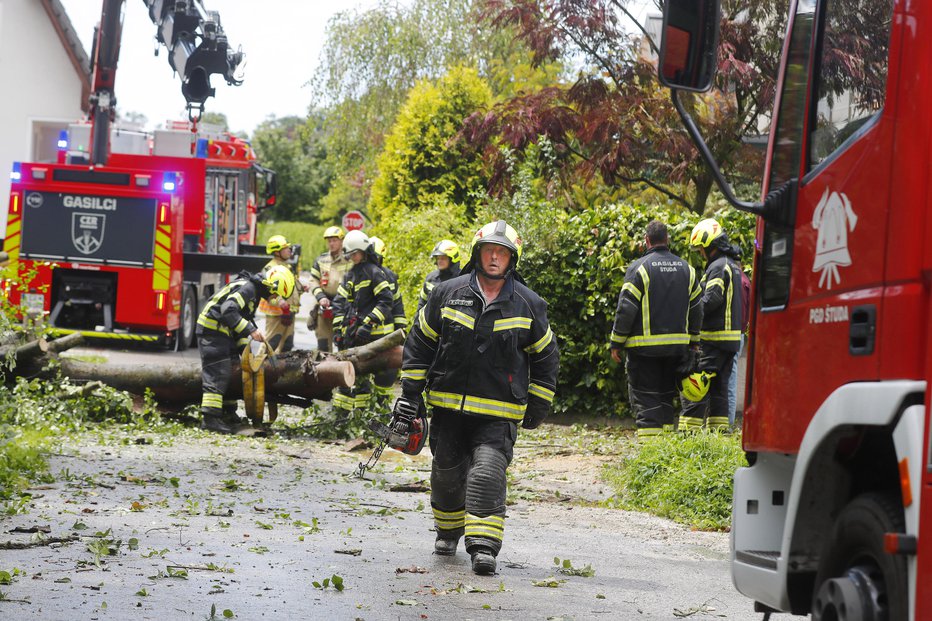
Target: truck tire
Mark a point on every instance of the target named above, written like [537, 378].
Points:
[857, 579]
[184, 335]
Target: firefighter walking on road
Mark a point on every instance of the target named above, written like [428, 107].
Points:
[720, 337]
[656, 324]
[326, 276]
[362, 312]
[279, 312]
[483, 349]
[224, 328]
[446, 256]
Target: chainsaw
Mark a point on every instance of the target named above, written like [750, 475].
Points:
[407, 432]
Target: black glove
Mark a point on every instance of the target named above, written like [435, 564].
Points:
[364, 331]
[533, 420]
[688, 364]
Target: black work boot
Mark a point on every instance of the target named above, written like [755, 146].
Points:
[445, 547]
[483, 562]
[215, 421]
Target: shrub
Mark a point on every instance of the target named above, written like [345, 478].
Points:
[688, 478]
[310, 236]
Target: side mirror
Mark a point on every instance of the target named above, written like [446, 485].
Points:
[689, 44]
[271, 186]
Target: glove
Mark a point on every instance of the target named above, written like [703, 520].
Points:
[364, 331]
[287, 320]
[532, 420]
[285, 308]
[338, 339]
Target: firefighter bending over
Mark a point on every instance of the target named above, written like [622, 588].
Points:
[279, 312]
[362, 312]
[326, 276]
[385, 380]
[446, 256]
[484, 350]
[706, 391]
[657, 323]
[224, 328]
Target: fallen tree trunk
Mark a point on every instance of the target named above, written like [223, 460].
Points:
[379, 355]
[30, 358]
[292, 373]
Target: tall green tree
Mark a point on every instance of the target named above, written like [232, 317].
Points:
[295, 149]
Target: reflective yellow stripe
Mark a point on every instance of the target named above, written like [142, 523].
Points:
[212, 400]
[716, 282]
[449, 520]
[459, 317]
[362, 400]
[379, 287]
[536, 348]
[539, 391]
[361, 285]
[212, 324]
[645, 301]
[337, 320]
[522, 323]
[493, 407]
[658, 339]
[343, 402]
[649, 432]
[694, 291]
[425, 327]
[721, 335]
[105, 335]
[382, 329]
[315, 273]
[239, 300]
[491, 527]
[379, 314]
[728, 297]
[343, 292]
[447, 400]
[414, 374]
[241, 325]
[617, 338]
[630, 288]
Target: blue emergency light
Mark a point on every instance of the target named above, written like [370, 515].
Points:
[63, 139]
[168, 182]
[201, 149]
[17, 173]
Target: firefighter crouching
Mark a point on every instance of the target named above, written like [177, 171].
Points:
[446, 256]
[706, 391]
[279, 312]
[224, 328]
[384, 380]
[362, 312]
[326, 276]
[484, 351]
[657, 323]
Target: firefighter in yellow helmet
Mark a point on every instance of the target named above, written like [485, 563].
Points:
[720, 336]
[385, 380]
[224, 328]
[279, 312]
[656, 325]
[483, 350]
[446, 256]
[326, 276]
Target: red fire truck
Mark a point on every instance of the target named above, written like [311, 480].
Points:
[828, 514]
[127, 235]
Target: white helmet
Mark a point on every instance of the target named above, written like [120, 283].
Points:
[355, 240]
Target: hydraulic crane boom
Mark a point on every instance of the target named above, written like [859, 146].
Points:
[197, 49]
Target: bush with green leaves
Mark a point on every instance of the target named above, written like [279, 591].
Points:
[310, 236]
[688, 478]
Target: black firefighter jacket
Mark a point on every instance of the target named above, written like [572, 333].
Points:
[721, 304]
[496, 360]
[365, 296]
[232, 310]
[435, 278]
[660, 306]
[398, 305]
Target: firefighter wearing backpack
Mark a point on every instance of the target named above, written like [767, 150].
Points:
[224, 328]
[446, 256]
[484, 350]
[720, 337]
[385, 380]
[657, 323]
[362, 312]
[280, 312]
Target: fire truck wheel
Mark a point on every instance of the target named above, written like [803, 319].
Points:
[184, 335]
[857, 579]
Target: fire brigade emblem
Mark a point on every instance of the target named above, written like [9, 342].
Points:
[833, 219]
[87, 231]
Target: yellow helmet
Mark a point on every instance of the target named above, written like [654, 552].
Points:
[378, 245]
[446, 248]
[704, 232]
[280, 281]
[276, 243]
[334, 231]
[500, 233]
[695, 386]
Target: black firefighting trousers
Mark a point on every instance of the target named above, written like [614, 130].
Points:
[218, 352]
[715, 403]
[652, 387]
[467, 478]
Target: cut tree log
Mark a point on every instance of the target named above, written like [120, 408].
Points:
[384, 353]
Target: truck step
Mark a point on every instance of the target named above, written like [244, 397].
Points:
[760, 558]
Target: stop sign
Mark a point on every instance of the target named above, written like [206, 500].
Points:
[354, 221]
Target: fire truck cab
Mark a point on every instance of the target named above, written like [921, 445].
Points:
[828, 514]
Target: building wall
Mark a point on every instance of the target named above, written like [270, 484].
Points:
[40, 86]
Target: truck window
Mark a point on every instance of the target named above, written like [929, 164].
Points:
[851, 75]
[787, 151]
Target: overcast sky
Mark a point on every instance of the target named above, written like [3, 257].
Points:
[282, 40]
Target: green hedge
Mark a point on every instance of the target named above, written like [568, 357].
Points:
[310, 236]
